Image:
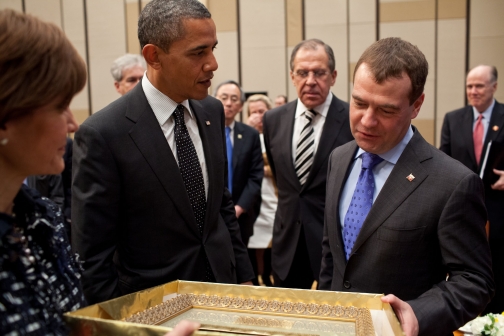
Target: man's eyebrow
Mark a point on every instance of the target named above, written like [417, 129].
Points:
[387, 106]
[202, 47]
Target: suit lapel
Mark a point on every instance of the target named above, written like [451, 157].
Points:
[495, 127]
[467, 132]
[333, 123]
[237, 143]
[286, 131]
[342, 170]
[397, 188]
[150, 141]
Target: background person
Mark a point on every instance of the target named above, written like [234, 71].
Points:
[400, 215]
[260, 243]
[39, 277]
[465, 135]
[299, 137]
[280, 100]
[245, 162]
[127, 71]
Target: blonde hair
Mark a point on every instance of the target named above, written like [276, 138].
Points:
[256, 98]
[38, 65]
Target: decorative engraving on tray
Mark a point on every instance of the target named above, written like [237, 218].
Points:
[166, 310]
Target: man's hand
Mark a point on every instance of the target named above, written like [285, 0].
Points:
[405, 314]
[239, 210]
[499, 185]
[184, 328]
[248, 283]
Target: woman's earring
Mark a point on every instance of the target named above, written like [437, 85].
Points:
[4, 142]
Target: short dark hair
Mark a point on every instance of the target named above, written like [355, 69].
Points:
[391, 57]
[284, 97]
[161, 21]
[242, 94]
[314, 44]
[38, 65]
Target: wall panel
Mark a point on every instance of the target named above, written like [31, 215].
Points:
[12, 4]
[327, 20]
[263, 43]
[106, 41]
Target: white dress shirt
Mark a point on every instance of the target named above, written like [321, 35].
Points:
[163, 108]
[381, 173]
[485, 121]
[317, 122]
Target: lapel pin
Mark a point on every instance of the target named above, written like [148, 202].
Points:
[495, 128]
[207, 123]
[239, 136]
[410, 177]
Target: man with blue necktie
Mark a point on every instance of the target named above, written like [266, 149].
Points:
[245, 162]
[401, 217]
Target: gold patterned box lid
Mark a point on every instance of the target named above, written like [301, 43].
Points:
[224, 309]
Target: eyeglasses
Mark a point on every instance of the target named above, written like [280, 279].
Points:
[316, 73]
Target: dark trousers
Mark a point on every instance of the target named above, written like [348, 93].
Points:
[497, 304]
[300, 274]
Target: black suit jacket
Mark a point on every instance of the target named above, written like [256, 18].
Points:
[248, 172]
[415, 234]
[133, 225]
[457, 142]
[300, 205]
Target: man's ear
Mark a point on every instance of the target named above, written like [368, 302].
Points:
[151, 54]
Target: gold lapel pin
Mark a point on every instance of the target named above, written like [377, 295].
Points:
[410, 177]
[207, 123]
[239, 136]
[495, 128]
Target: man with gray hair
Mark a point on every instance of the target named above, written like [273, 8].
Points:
[150, 203]
[299, 136]
[127, 71]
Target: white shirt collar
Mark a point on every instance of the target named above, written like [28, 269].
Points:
[321, 109]
[162, 105]
[231, 126]
[486, 114]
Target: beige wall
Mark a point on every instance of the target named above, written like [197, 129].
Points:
[256, 38]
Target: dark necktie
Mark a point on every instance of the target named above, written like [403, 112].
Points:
[190, 168]
[305, 148]
[229, 149]
[362, 201]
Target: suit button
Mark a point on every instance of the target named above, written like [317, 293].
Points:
[347, 284]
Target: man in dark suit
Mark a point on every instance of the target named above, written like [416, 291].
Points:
[150, 203]
[465, 135]
[401, 217]
[299, 137]
[245, 162]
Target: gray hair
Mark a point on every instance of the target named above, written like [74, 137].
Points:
[314, 44]
[161, 21]
[242, 94]
[124, 62]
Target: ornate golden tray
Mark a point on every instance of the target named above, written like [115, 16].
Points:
[237, 310]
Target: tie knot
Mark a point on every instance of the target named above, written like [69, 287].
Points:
[480, 116]
[310, 114]
[370, 160]
[179, 113]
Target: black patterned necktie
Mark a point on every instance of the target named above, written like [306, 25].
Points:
[305, 148]
[190, 168]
